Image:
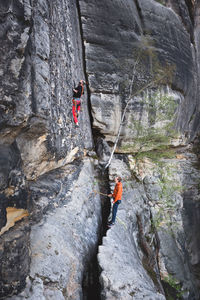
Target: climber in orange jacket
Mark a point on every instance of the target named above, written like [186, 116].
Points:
[77, 93]
[117, 195]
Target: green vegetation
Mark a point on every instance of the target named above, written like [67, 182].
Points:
[159, 128]
[172, 288]
[163, 2]
[156, 155]
[167, 205]
[154, 98]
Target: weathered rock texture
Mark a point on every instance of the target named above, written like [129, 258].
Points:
[139, 38]
[144, 52]
[131, 45]
[63, 242]
[41, 60]
[123, 275]
[44, 62]
[154, 236]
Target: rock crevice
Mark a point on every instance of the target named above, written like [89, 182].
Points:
[49, 169]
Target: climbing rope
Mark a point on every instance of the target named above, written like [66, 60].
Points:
[121, 222]
[94, 193]
[97, 192]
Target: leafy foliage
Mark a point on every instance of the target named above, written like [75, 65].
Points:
[145, 61]
[159, 130]
[163, 2]
[167, 203]
[173, 288]
[157, 155]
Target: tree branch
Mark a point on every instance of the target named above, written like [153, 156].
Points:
[152, 83]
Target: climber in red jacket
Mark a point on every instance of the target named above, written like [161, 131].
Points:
[77, 93]
[117, 195]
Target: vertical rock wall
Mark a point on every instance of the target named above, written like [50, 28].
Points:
[43, 168]
[151, 36]
[41, 61]
[197, 36]
[64, 238]
[152, 249]
[121, 51]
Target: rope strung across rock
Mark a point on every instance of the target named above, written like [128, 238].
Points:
[97, 192]
[94, 193]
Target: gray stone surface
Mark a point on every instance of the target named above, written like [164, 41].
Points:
[40, 63]
[161, 36]
[178, 187]
[174, 46]
[103, 151]
[197, 39]
[184, 10]
[15, 259]
[169, 195]
[43, 167]
[124, 277]
[41, 60]
[64, 241]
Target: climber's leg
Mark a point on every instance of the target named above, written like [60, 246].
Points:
[74, 112]
[78, 107]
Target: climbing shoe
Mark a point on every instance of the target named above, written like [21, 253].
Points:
[111, 224]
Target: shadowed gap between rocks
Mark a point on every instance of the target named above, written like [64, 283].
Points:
[84, 64]
[90, 284]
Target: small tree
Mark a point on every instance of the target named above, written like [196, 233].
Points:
[156, 74]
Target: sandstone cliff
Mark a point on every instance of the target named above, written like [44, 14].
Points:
[146, 54]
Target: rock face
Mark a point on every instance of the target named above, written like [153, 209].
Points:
[41, 60]
[124, 276]
[153, 235]
[44, 63]
[61, 246]
[15, 259]
[139, 57]
[127, 55]
[134, 49]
